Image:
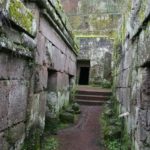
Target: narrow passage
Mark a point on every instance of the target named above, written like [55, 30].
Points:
[86, 134]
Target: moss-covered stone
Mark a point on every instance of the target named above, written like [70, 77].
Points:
[1, 2]
[66, 117]
[19, 14]
[32, 141]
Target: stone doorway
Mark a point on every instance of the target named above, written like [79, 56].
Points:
[84, 76]
[83, 72]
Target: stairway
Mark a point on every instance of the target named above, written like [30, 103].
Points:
[91, 96]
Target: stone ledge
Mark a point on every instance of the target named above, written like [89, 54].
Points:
[58, 21]
[20, 15]
[6, 44]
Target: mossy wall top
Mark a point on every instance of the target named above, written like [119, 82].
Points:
[22, 16]
[92, 17]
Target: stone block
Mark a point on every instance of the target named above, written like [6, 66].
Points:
[22, 16]
[42, 108]
[28, 42]
[4, 98]
[40, 53]
[52, 104]
[57, 59]
[67, 64]
[18, 94]
[49, 50]
[62, 81]
[41, 78]
[13, 68]
[107, 66]
[13, 35]
[48, 31]
[3, 143]
[15, 134]
[3, 66]
[18, 68]
[34, 111]
[72, 68]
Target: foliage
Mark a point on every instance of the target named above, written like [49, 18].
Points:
[73, 93]
[50, 143]
[105, 83]
[32, 141]
[114, 145]
[115, 133]
[51, 125]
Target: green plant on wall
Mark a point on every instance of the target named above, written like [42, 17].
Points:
[115, 133]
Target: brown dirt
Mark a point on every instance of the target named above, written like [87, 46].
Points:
[86, 134]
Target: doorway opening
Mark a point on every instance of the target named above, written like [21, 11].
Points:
[83, 72]
[84, 76]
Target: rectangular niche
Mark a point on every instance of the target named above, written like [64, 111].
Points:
[52, 80]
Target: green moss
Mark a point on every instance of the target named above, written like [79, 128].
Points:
[141, 13]
[21, 15]
[50, 143]
[1, 2]
[33, 140]
[114, 130]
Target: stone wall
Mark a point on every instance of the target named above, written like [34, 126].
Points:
[98, 51]
[132, 71]
[92, 17]
[37, 65]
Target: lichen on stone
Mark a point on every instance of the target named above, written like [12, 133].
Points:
[21, 15]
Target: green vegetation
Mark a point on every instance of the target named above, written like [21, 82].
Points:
[32, 141]
[105, 83]
[102, 84]
[50, 143]
[115, 133]
[21, 15]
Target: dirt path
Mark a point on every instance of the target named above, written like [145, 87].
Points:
[86, 134]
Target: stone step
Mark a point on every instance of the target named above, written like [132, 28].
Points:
[91, 97]
[90, 102]
[88, 92]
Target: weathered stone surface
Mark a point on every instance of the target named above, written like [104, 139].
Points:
[33, 70]
[42, 109]
[13, 102]
[94, 49]
[41, 77]
[28, 42]
[47, 30]
[18, 92]
[41, 50]
[16, 133]
[3, 144]
[4, 94]
[13, 35]
[62, 81]
[134, 72]
[107, 66]
[13, 68]
[22, 16]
